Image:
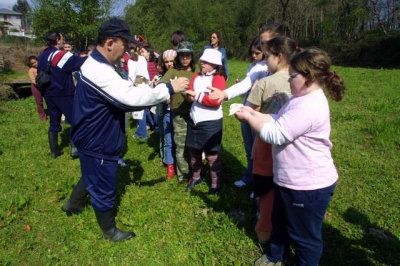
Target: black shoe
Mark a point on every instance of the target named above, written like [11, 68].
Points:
[106, 221]
[57, 153]
[193, 183]
[69, 209]
[115, 234]
[214, 191]
[53, 142]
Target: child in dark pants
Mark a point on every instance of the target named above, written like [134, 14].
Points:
[205, 125]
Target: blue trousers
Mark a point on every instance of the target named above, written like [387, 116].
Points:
[141, 130]
[248, 139]
[297, 218]
[56, 106]
[165, 130]
[100, 180]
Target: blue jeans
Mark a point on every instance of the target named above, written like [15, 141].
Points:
[141, 130]
[248, 139]
[297, 218]
[165, 127]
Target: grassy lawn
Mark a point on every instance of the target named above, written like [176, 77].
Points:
[173, 227]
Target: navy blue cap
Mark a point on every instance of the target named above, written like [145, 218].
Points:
[116, 28]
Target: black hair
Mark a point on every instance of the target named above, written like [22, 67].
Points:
[282, 45]
[52, 37]
[148, 48]
[178, 64]
[177, 37]
[32, 57]
[274, 28]
[256, 43]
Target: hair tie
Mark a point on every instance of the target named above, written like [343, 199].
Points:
[330, 76]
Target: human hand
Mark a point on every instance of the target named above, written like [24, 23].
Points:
[180, 84]
[217, 94]
[190, 93]
[244, 114]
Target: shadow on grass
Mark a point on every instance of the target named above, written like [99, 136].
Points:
[133, 172]
[375, 247]
[234, 202]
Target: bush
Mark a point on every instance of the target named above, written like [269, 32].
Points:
[369, 51]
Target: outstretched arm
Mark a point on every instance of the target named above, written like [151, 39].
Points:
[204, 97]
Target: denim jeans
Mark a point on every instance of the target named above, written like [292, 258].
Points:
[167, 141]
[141, 130]
[297, 218]
[248, 138]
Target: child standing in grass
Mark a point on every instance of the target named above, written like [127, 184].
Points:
[205, 125]
[32, 72]
[255, 72]
[268, 96]
[184, 66]
[304, 173]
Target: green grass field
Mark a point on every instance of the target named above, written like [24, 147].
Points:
[173, 227]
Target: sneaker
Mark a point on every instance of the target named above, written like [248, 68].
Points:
[193, 183]
[121, 162]
[240, 184]
[263, 261]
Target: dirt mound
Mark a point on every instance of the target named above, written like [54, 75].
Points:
[16, 56]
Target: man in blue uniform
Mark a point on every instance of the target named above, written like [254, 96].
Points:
[60, 95]
[98, 130]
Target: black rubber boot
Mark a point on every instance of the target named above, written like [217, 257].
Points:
[53, 142]
[75, 204]
[106, 220]
[74, 151]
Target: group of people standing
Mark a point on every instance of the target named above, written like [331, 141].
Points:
[284, 121]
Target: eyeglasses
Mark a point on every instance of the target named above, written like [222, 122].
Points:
[293, 75]
[213, 37]
[255, 52]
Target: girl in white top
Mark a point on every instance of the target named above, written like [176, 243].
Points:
[255, 72]
[304, 174]
[205, 125]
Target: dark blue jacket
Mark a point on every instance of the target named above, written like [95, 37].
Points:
[101, 100]
[63, 64]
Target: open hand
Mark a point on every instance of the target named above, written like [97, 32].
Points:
[217, 94]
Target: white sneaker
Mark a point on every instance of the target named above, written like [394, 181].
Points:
[240, 183]
[121, 162]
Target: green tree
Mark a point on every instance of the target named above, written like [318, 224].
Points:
[78, 20]
[23, 7]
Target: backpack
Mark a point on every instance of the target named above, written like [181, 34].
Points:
[43, 77]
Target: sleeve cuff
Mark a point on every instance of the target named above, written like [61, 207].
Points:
[170, 88]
